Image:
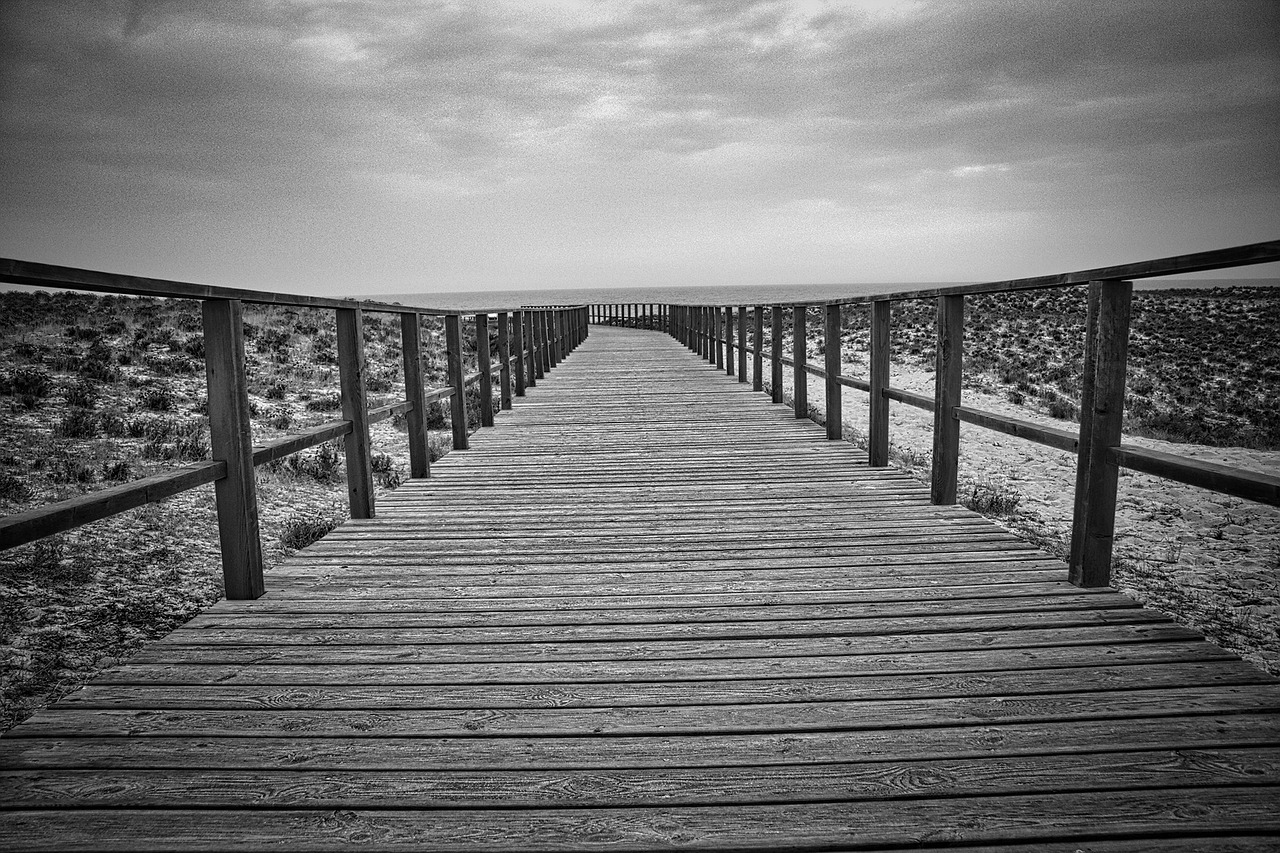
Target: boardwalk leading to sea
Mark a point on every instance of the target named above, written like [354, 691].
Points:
[650, 610]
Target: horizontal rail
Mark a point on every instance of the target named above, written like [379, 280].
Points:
[290, 444]
[55, 518]
[30, 273]
[1238, 482]
[383, 412]
[920, 401]
[1050, 436]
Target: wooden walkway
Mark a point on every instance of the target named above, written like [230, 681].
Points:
[649, 611]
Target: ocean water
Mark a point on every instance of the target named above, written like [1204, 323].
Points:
[731, 294]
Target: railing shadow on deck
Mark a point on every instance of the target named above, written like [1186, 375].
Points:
[529, 343]
[717, 332]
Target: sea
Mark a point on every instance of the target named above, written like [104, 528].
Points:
[732, 294]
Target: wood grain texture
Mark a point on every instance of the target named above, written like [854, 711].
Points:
[652, 610]
[231, 443]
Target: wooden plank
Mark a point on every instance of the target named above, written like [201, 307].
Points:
[289, 444]
[807, 826]
[800, 354]
[831, 347]
[504, 361]
[1084, 449]
[878, 424]
[416, 413]
[1106, 420]
[757, 354]
[519, 344]
[20, 528]
[231, 443]
[458, 401]
[355, 406]
[1048, 436]
[947, 391]
[775, 352]
[642, 788]
[1251, 485]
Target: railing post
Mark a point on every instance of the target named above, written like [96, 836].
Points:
[800, 357]
[484, 366]
[355, 408]
[721, 335]
[548, 340]
[775, 352]
[757, 356]
[1088, 374]
[517, 328]
[231, 441]
[728, 339]
[562, 334]
[457, 377]
[946, 396]
[534, 359]
[878, 424]
[831, 344]
[416, 417]
[742, 343]
[504, 354]
[1111, 352]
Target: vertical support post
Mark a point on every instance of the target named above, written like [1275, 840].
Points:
[482, 362]
[775, 352]
[504, 355]
[946, 396]
[458, 402]
[800, 358]
[728, 339]
[1085, 446]
[831, 345]
[355, 408]
[231, 441]
[742, 343]
[721, 334]
[531, 352]
[757, 355]
[416, 417]
[544, 347]
[1111, 353]
[517, 329]
[550, 319]
[878, 425]
[562, 334]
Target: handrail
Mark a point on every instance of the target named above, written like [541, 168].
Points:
[530, 342]
[709, 330]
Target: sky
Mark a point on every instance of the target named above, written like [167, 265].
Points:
[350, 148]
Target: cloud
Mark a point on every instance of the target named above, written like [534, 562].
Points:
[184, 119]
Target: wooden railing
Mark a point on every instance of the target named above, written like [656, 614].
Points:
[530, 342]
[635, 315]
[717, 332]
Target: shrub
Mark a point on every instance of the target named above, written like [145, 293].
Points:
[14, 489]
[71, 471]
[82, 394]
[276, 390]
[78, 423]
[280, 418]
[32, 382]
[325, 403]
[990, 499]
[323, 466]
[302, 530]
[156, 398]
[1064, 410]
[117, 471]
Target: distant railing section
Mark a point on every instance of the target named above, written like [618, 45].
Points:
[633, 315]
[718, 332]
[529, 342]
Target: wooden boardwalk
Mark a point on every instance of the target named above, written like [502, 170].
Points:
[649, 611]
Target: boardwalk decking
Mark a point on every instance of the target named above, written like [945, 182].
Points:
[650, 610]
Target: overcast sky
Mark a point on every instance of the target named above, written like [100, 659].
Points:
[345, 147]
